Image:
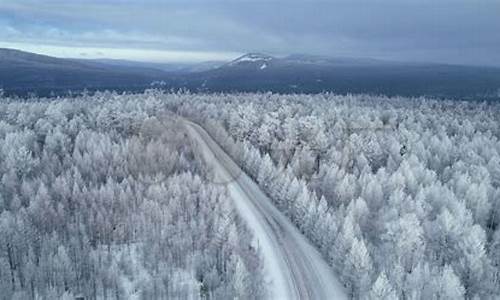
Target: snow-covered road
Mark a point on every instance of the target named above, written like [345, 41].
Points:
[293, 268]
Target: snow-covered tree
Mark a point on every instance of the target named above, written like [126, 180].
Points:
[382, 289]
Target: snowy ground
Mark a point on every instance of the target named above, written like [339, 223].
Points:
[294, 268]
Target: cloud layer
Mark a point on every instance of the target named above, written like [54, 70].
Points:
[466, 32]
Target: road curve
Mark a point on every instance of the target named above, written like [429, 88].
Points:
[293, 268]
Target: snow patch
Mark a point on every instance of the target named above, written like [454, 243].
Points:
[251, 58]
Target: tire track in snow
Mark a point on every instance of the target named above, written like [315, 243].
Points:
[293, 268]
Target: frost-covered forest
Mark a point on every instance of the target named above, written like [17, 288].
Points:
[400, 195]
[102, 197]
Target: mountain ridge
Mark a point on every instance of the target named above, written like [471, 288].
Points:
[22, 72]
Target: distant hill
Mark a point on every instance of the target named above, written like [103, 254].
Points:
[311, 74]
[22, 72]
[165, 67]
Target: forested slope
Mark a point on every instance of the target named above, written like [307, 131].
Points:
[401, 195]
[101, 196]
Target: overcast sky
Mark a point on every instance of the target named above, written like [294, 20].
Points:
[449, 31]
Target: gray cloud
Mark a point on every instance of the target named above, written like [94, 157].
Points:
[444, 31]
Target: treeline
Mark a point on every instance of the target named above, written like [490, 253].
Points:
[400, 195]
[101, 197]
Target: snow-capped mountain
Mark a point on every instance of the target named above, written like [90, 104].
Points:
[253, 60]
[312, 74]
